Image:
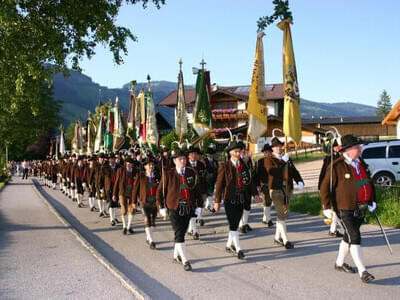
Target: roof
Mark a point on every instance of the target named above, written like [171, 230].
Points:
[343, 120]
[274, 92]
[392, 117]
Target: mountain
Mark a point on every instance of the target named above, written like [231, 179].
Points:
[80, 94]
[339, 109]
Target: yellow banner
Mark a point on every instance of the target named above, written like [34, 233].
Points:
[291, 109]
[257, 110]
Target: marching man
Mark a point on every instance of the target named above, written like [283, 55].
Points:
[234, 187]
[90, 172]
[123, 187]
[178, 193]
[211, 177]
[281, 173]
[145, 187]
[352, 194]
[79, 180]
[103, 182]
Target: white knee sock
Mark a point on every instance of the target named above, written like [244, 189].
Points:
[235, 239]
[130, 216]
[104, 206]
[333, 227]
[343, 251]
[281, 227]
[91, 202]
[123, 221]
[355, 251]
[78, 198]
[176, 253]
[245, 216]
[201, 214]
[99, 203]
[181, 247]
[193, 225]
[267, 214]
[229, 242]
[148, 234]
[111, 212]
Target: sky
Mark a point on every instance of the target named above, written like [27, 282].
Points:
[345, 50]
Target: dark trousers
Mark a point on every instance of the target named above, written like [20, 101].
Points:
[179, 224]
[25, 174]
[233, 214]
[149, 214]
[110, 202]
[351, 225]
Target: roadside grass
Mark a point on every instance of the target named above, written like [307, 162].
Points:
[304, 157]
[388, 206]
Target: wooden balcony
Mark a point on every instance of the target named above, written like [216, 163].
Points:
[229, 114]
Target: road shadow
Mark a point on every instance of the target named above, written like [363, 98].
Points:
[149, 285]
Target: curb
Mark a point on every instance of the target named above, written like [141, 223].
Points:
[125, 281]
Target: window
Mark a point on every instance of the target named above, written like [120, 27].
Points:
[219, 106]
[376, 152]
[231, 106]
[190, 109]
[394, 151]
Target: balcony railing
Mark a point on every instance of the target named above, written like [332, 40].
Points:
[229, 114]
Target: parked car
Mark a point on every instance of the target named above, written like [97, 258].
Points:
[383, 159]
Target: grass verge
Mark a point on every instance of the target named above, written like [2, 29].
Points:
[388, 206]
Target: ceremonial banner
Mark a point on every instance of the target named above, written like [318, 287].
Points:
[108, 136]
[98, 143]
[181, 114]
[77, 139]
[202, 117]
[62, 143]
[89, 133]
[142, 104]
[256, 109]
[151, 122]
[291, 110]
[130, 120]
[138, 115]
[119, 131]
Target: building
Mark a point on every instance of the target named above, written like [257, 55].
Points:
[392, 118]
[367, 128]
[229, 109]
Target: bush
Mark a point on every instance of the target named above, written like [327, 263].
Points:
[306, 203]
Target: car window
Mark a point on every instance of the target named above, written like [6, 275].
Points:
[375, 152]
[394, 151]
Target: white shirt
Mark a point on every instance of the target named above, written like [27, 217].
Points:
[236, 164]
[180, 171]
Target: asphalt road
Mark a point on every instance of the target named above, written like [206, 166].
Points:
[268, 271]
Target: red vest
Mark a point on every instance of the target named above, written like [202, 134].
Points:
[364, 190]
[239, 179]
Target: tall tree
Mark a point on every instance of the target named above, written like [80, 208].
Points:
[42, 37]
[384, 105]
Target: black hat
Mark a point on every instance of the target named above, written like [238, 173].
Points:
[177, 153]
[129, 160]
[276, 142]
[241, 145]
[80, 157]
[267, 147]
[163, 148]
[101, 155]
[73, 155]
[193, 149]
[233, 145]
[350, 141]
[147, 160]
[211, 150]
[92, 159]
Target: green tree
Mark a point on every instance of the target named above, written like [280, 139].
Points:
[384, 105]
[41, 38]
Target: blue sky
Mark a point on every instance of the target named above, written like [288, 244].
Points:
[346, 50]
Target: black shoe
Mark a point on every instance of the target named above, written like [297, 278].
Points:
[366, 277]
[92, 209]
[178, 259]
[248, 228]
[96, 209]
[131, 231]
[335, 234]
[230, 249]
[116, 221]
[101, 214]
[201, 222]
[80, 205]
[152, 245]
[345, 268]
[240, 254]
[289, 245]
[279, 242]
[124, 231]
[270, 223]
[242, 229]
[196, 236]
[112, 223]
[187, 266]
[212, 210]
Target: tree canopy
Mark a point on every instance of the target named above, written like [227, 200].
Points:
[384, 105]
[41, 38]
